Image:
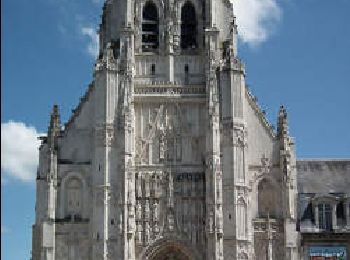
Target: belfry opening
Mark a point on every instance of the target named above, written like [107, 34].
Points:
[188, 26]
[150, 27]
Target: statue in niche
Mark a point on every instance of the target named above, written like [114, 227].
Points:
[139, 232]
[211, 224]
[147, 209]
[138, 210]
[155, 228]
[147, 188]
[171, 221]
[155, 211]
[162, 145]
[147, 232]
[265, 164]
[170, 191]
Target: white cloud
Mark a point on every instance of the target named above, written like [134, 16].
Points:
[93, 43]
[256, 19]
[19, 151]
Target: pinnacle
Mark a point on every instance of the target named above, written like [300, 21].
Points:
[282, 123]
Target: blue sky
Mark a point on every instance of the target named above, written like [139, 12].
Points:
[296, 53]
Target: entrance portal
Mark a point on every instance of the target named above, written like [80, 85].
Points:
[170, 252]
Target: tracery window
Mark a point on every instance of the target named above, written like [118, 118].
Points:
[324, 216]
[150, 27]
[188, 26]
[267, 199]
[74, 198]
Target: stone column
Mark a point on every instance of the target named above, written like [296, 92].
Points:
[214, 218]
[334, 216]
[347, 210]
[270, 240]
[316, 216]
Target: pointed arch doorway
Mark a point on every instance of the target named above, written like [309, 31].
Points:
[170, 252]
[166, 249]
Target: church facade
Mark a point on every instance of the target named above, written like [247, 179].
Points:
[169, 156]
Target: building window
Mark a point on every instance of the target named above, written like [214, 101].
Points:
[116, 48]
[74, 198]
[150, 27]
[341, 214]
[267, 199]
[153, 69]
[188, 26]
[324, 216]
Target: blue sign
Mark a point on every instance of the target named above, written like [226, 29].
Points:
[337, 252]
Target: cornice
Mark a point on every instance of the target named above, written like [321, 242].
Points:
[76, 111]
[261, 115]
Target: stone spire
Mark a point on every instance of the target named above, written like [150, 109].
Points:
[54, 128]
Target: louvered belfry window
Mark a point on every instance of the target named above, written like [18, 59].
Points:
[188, 26]
[150, 27]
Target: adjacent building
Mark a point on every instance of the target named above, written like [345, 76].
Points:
[324, 208]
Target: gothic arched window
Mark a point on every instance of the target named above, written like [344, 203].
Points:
[150, 27]
[74, 198]
[188, 26]
[267, 199]
[324, 216]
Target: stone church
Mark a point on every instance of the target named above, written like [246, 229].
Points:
[168, 155]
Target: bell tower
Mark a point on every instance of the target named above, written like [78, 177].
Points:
[177, 83]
